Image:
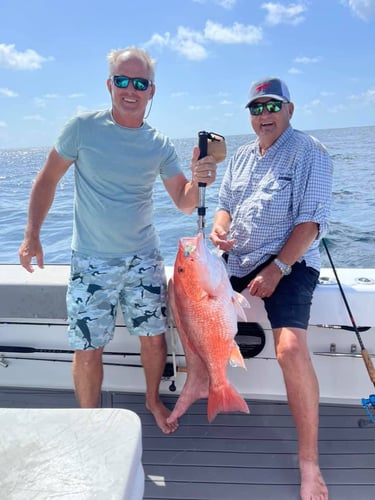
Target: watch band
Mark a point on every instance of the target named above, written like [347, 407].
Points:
[284, 268]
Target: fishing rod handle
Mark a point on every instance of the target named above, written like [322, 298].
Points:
[369, 364]
[202, 144]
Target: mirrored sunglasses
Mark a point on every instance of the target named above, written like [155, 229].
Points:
[257, 108]
[122, 82]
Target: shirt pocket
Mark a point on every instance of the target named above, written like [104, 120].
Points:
[277, 200]
[278, 185]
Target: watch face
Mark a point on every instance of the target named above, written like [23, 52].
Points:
[284, 268]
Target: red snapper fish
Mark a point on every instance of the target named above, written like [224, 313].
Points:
[205, 310]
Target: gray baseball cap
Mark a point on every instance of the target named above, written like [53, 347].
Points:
[269, 87]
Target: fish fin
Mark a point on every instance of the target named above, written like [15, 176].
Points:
[236, 358]
[225, 400]
[240, 302]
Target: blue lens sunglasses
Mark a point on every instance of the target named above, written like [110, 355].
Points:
[122, 82]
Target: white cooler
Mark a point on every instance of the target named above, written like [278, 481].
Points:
[72, 454]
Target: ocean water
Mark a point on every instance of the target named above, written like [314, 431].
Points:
[351, 239]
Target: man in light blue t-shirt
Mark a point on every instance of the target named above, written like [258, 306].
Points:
[117, 157]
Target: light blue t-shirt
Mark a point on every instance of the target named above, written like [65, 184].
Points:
[115, 169]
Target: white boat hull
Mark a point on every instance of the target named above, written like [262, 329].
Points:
[33, 314]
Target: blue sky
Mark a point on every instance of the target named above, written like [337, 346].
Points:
[208, 52]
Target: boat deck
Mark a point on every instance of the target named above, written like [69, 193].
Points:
[237, 456]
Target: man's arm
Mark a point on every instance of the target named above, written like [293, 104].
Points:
[300, 239]
[185, 193]
[41, 198]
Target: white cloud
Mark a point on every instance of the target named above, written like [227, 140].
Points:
[187, 42]
[363, 9]
[192, 44]
[10, 58]
[226, 4]
[314, 103]
[307, 60]
[3, 124]
[279, 14]
[294, 71]
[8, 92]
[308, 108]
[205, 107]
[368, 96]
[40, 102]
[160, 40]
[336, 109]
[37, 118]
[80, 109]
[238, 33]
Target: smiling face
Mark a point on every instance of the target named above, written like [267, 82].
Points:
[269, 126]
[128, 104]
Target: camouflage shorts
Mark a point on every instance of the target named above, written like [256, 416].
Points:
[97, 286]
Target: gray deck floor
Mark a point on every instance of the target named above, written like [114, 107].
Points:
[237, 456]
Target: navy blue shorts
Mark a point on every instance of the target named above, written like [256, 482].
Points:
[290, 303]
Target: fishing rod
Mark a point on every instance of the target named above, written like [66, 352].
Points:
[15, 349]
[167, 373]
[370, 401]
[30, 350]
[4, 363]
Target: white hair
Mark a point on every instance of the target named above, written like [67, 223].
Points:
[116, 54]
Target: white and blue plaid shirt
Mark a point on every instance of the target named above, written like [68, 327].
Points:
[267, 196]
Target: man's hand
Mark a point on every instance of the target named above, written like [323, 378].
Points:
[29, 249]
[218, 237]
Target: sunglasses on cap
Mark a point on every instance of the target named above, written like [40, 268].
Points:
[257, 108]
[122, 82]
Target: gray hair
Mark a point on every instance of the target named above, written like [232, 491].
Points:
[116, 54]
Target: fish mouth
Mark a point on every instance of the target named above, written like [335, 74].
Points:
[189, 250]
[189, 246]
[193, 246]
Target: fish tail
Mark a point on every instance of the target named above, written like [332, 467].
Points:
[225, 400]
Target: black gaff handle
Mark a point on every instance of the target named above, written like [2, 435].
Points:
[202, 144]
[203, 137]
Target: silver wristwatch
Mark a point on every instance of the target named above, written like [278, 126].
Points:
[284, 268]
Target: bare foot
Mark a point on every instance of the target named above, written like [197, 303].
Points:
[160, 414]
[313, 486]
[194, 388]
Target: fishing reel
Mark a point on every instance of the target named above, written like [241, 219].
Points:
[367, 403]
